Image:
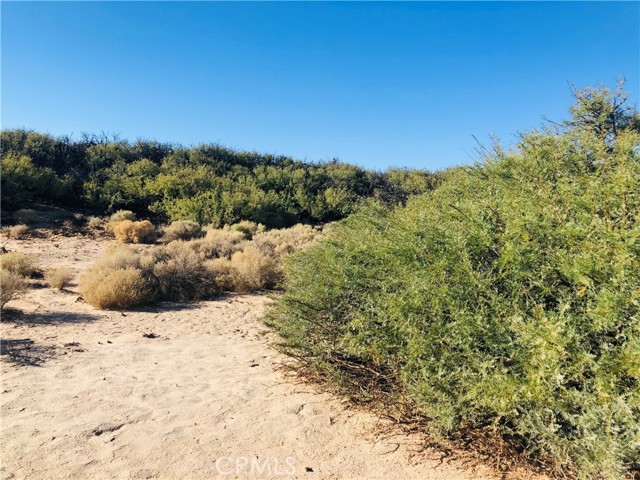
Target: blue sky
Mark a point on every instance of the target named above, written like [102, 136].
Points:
[376, 84]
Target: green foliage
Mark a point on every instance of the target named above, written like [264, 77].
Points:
[508, 298]
[207, 184]
[22, 181]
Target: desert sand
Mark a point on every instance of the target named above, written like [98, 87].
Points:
[176, 392]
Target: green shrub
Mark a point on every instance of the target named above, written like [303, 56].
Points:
[23, 181]
[507, 299]
[204, 183]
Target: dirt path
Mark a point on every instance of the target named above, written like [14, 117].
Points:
[198, 397]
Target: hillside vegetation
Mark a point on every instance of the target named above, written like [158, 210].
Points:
[506, 300]
[209, 184]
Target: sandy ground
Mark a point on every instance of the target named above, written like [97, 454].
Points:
[199, 396]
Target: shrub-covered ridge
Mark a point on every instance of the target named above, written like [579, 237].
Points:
[208, 184]
[508, 298]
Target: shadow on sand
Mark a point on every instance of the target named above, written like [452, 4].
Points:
[48, 318]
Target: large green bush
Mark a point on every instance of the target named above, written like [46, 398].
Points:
[507, 299]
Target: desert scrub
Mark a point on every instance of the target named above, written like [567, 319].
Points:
[12, 286]
[26, 216]
[247, 228]
[18, 263]
[506, 300]
[283, 241]
[17, 232]
[182, 275]
[220, 243]
[253, 270]
[128, 231]
[95, 223]
[121, 216]
[58, 277]
[183, 230]
[116, 289]
[119, 280]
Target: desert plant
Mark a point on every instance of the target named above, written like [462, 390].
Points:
[118, 217]
[122, 215]
[117, 257]
[116, 289]
[17, 232]
[26, 216]
[128, 231]
[58, 277]
[254, 270]
[223, 273]
[18, 263]
[120, 279]
[505, 300]
[182, 275]
[247, 228]
[94, 223]
[182, 230]
[219, 243]
[280, 242]
[12, 286]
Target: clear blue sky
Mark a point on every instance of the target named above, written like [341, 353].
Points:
[376, 84]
